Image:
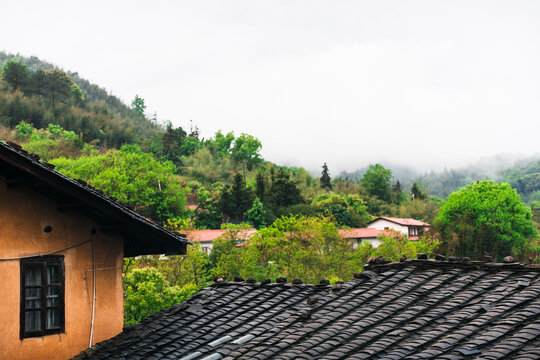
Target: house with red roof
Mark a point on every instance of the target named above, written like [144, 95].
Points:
[407, 226]
[360, 235]
[205, 238]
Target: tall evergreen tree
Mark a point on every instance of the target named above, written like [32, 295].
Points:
[236, 200]
[417, 193]
[326, 182]
[138, 106]
[284, 191]
[257, 215]
[260, 186]
[397, 192]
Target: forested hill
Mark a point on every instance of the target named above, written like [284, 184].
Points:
[522, 173]
[92, 92]
[94, 113]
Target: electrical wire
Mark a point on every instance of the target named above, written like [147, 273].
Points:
[46, 253]
[93, 293]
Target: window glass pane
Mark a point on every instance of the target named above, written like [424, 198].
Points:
[32, 321]
[53, 319]
[33, 274]
[32, 298]
[53, 274]
[53, 296]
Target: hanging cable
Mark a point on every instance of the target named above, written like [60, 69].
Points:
[93, 293]
[46, 253]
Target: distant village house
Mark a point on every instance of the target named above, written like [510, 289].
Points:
[411, 228]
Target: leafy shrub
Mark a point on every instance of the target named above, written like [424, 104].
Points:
[146, 291]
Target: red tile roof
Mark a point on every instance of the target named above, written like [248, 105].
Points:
[211, 235]
[245, 234]
[359, 233]
[402, 221]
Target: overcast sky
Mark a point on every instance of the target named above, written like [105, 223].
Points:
[421, 83]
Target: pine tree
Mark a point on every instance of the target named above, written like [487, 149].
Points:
[236, 200]
[257, 215]
[137, 105]
[417, 194]
[397, 192]
[260, 186]
[326, 182]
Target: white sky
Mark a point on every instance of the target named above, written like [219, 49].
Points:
[420, 83]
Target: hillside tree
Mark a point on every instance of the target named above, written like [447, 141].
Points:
[15, 74]
[376, 181]
[138, 106]
[326, 182]
[486, 218]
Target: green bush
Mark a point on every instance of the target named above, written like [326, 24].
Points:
[146, 291]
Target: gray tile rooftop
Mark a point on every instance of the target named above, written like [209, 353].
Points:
[415, 309]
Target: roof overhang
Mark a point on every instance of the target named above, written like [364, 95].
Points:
[141, 235]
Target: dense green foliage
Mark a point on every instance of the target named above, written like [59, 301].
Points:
[146, 291]
[376, 180]
[486, 218]
[132, 177]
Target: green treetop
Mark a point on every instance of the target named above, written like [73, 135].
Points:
[137, 105]
[15, 74]
[376, 181]
[486, 218]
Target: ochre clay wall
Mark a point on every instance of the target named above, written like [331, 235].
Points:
[23, 215]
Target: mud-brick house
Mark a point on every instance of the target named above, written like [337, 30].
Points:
[61, 249]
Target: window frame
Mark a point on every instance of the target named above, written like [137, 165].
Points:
[44, 261]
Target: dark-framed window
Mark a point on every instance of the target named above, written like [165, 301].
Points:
[42, 296]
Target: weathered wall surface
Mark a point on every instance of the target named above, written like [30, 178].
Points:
[23, 215]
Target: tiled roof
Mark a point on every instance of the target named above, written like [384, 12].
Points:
[416, 309]
[359, 233]
[402, 221]
[245, 234]
[141, 235]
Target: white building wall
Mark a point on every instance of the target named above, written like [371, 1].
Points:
[372, 241]
[382, 224]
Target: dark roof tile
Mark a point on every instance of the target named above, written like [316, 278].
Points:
[415, 309]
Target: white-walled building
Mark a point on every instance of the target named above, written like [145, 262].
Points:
[410, 227]
[359, 235]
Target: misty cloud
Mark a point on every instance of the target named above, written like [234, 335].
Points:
[424, 84]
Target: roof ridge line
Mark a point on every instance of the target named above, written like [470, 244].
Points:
[378, 264]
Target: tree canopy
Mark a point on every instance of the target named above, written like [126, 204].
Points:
[376, 180]
[138, 106]
[132, 177]
[15, 74]
[486, 218]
